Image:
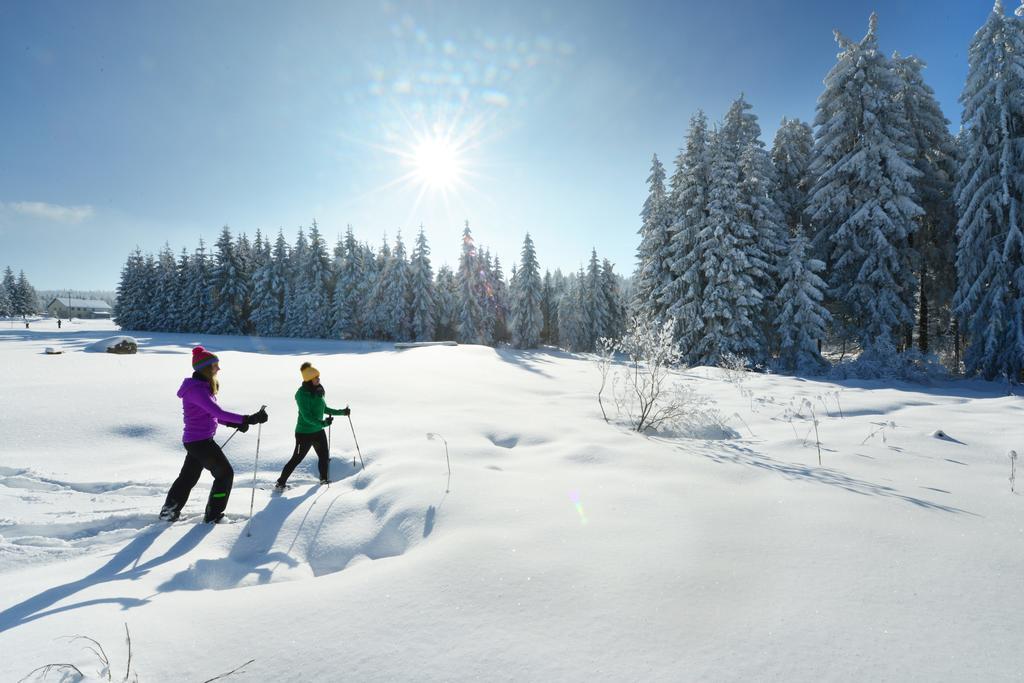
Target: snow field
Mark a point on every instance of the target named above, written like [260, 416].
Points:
[566, 549]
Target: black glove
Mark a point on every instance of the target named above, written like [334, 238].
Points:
[346, 411]
[328, 421]
[242, 427]
[257, 418]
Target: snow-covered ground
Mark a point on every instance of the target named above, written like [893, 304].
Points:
[566, 548]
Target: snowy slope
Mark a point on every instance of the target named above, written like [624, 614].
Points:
[566, 549]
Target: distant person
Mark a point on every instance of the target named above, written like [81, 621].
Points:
[309, 431]
[198, 395]
[58, 323]
[26, 324]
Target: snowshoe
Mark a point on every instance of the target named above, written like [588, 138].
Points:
[216, 519]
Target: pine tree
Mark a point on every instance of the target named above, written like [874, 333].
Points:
[270, 286]
[502, 304]
[611, 292]
[166, 296]
[364, 324]
[346, 291]
[446, 293]
[791, 156]
[989, 299]
[730, 297]
[934, 158]
[549, 311]
[184, 269]
[527, 316]
[6, 309]
[802, 317]
[26, 300]
[470, 281]
[246, 252]
[296, 315]
[863, 200]
[654, 274]
[598, 313]
[317, 277]
[128, 311]
[422, 285]
[197, 299]
[691, 187]
[7, 287]
[228, 286]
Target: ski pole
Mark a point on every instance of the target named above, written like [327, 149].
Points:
[363, 466]
[255, 467]
[229, 438]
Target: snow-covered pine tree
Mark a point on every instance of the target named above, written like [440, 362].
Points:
[229, 287]
[197, 297]
[424, 312]
[246, 252]
[184, 268]
[128, 312]
[791, 156]
[502, 304]
[399, 294]
[571, 321]
[446, 296]
[6, 310]
[802, 318]
[527, 294]
[317, 278]
[270, 286]
[653, 273]
[470, 281]
[25, 299]
[485, 294]
[379, 306]
[691, 185]
[598, 313]
[549, 311]
[730, 296]
[863, 200]
[296, 317]
[935, 159]
[989, 299]
[614, 302]
[346, 288]
[363, 324]
[166, 296]
[7, 285]
[768, 239]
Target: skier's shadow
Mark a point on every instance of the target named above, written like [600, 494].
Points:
[122, 566]
[249, 553]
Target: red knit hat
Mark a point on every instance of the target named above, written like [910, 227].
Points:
[202, 358]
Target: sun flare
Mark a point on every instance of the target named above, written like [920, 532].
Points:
[436, 163]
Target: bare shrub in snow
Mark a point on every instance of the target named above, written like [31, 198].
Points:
[1013, 470]
[105, 671]
[880, 428]
[645, 389]
[604, 359]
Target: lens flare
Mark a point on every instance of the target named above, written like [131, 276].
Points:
[574, 496]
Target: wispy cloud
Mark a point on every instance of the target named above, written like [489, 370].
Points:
[53, 212]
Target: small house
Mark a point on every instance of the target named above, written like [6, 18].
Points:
[70, 307]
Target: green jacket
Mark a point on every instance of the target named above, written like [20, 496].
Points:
[311, 412]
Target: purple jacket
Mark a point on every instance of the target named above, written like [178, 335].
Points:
[201, 411]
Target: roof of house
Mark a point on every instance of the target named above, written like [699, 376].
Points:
[72, 302]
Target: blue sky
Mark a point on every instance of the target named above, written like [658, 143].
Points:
[141, 123]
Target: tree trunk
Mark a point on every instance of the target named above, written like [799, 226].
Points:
[956, 346]
[922, 319]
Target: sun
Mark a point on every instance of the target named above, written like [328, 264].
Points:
[436, 162]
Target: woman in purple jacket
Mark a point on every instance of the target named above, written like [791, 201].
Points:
[202, 414]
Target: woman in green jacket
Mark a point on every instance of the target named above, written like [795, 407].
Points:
[309, 431]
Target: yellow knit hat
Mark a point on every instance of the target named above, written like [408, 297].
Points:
[309, 372]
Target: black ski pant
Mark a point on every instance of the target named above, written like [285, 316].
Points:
[303, 442]
[200, 455]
